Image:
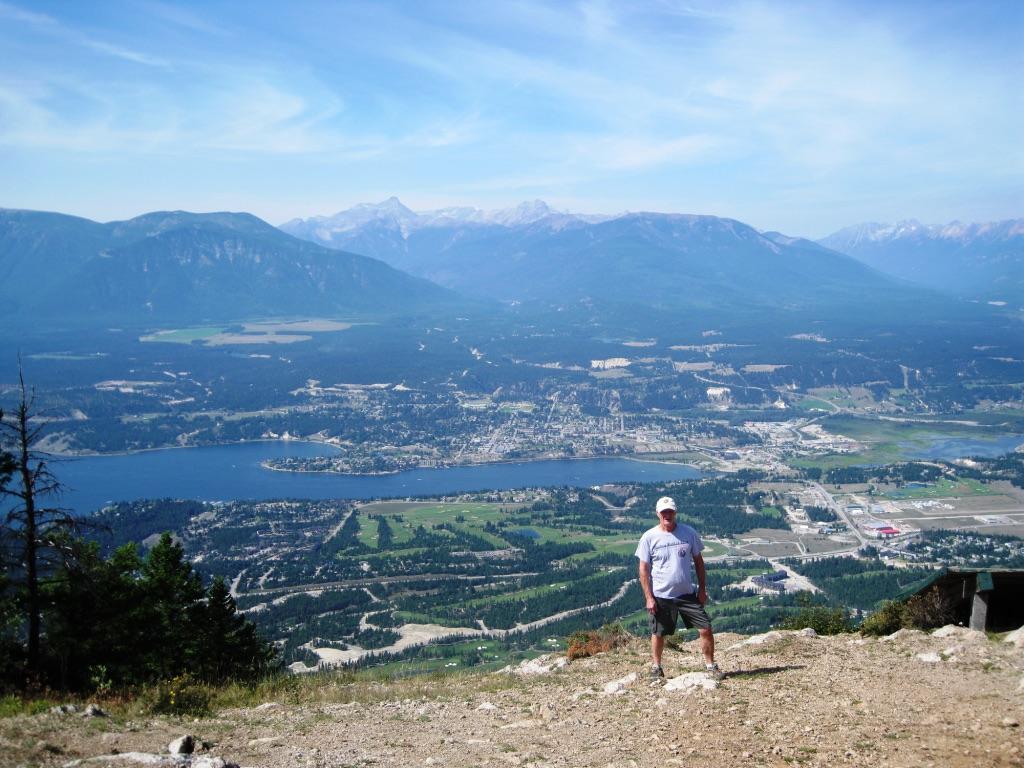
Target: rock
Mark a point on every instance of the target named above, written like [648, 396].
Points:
[94, 711]
[901, 634]
[139, 758]
[183, 745]
[1016, 637]
[63, 709]
[618, 687]
[486, 707]
[547, 712]
[929, 658]
[960, 633]
[690, 682]
[807, 632]
[768, 637]
[211, 762]
[266, 740]
[1010, 722]
[266, 706]
[542, 665]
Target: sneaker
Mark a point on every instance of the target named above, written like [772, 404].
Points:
[715, 672]
[657, 673]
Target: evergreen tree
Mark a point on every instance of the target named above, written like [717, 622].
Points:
[172, 591]
[98, 620]
[225, 643]
[35, 535]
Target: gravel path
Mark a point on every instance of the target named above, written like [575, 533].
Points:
[789, 700]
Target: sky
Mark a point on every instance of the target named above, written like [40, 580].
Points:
[790, 116]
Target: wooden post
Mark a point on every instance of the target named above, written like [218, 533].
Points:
[983, 587]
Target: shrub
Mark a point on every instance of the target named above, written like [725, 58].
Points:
[821, 618]
[591, 642]
[886, 620]
[182, 695]
[928, 610]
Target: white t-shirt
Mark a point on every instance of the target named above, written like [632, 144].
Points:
[670, 555]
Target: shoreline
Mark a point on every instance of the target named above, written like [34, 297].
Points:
[617, 457]
[135, 451]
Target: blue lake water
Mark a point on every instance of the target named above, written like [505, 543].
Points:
[223, 472]
[957, 447]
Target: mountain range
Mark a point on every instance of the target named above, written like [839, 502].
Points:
[974, 260]
[533, 253]
[186, 267]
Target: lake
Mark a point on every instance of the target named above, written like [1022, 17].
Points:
[958, 447]
[223, 472]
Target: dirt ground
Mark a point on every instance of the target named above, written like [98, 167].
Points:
[916, 700]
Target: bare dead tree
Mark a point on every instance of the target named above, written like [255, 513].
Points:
[38, 532]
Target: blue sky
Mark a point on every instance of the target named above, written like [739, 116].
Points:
[801, 117]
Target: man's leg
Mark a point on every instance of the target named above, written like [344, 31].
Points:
[657, 646]
[707, 644]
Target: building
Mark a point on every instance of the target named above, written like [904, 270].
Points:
[991, 600]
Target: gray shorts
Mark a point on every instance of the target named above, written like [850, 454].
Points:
[663, 621]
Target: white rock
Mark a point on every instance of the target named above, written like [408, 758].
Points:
[929, 658]
[1010, 722]
[900, 634]
[486, 707]
[92, 710]
[618, 687]
[183, 745]
[268, 705]
[64, 709]
[767, 637]
[209, 761]
[1016, 637]
[140, 758]
[807, 632]
[960, 633]
[266, 740]
[542, 665]
[692, 681]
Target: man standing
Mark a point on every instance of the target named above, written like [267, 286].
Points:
[666, 553]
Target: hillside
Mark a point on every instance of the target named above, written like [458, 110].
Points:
[954, 698]
[984, 260]
[186, 267]
[669, 261]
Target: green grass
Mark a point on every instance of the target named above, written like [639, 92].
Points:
[368, 531]
[12, 706]
[942, 488]
[184, 335]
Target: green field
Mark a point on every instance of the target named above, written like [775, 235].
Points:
[185, 335]
[942, 488]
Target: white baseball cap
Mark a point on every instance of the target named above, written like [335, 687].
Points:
[665, 502]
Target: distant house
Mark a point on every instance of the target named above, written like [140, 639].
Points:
[990, 600]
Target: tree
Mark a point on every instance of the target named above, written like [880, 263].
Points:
[172, 591]
[227, 644]
[38, 533]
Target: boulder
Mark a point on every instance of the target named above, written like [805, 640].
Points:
[618, 687]
[1016, 637]
[692, 681]
[929, 658]
[542, 665]
[963, 634]
[807, 632]
[92, 710]
[63, 709]
[903, 634]
[183, 745]
[768, 637]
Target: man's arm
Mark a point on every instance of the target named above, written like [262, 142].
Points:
[698, 565]
[645, 585]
